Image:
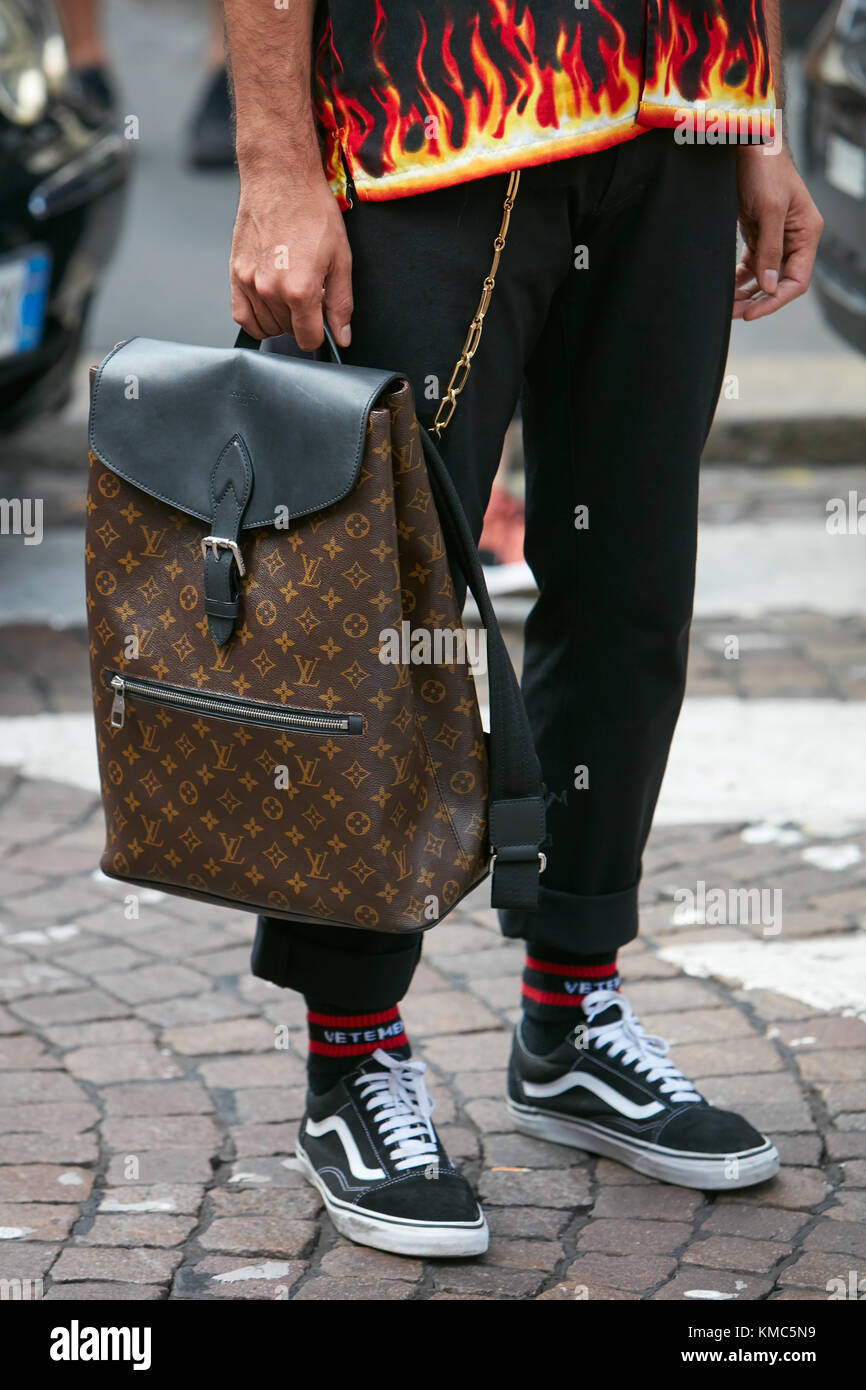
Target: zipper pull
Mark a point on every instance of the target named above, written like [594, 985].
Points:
[118, 704]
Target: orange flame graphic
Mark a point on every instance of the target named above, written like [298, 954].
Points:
[442, 117]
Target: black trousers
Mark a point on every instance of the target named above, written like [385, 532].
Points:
[609, 322]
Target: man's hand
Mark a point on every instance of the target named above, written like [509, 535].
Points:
[289, 243]
[781, 227]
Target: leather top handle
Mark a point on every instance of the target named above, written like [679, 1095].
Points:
[516, 810]
[246, 340]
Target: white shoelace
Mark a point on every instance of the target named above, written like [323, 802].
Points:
[397, 1099]
[627, 1039]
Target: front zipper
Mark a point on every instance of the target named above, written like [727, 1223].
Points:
[224, 707]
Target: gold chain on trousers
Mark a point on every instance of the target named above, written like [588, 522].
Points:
[473, 338]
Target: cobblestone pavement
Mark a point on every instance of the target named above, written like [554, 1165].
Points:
[147, 1118]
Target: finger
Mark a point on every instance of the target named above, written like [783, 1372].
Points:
[797, 273]
[244, 315]
[270, 324]
[304, 299]
[770, 247]
[337, 301]
[270, 292]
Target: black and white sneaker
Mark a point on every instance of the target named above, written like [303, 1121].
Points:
[370, 1148]
[610, 1088]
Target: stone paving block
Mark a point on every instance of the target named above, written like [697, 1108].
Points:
[48, 1148]
[103, 959]
[609, 1173]
[445, 1011]
[109, 1033]
[842, 1096]
[44, 1182]
[522, 1254]
[137, 1133]
[771, 1007]
[224, 1277]
[324, 1290]
[288, 1203]
[850, 1206]
[545, 1188]
[8, 1022]
[24, 1053]
[614, 1237]
[698, 1026]
[149, 982]
[190, 1009]
[481, 1085]
[92, 1292]
[348, 1261]
[259, 1234]
[267, 1171]
[161, 1166]
[729, 1057]
[794, 1188]
[843, 1237]
[498, 991]
[798, 1150]
[150, 1266]
[851, 1120]
[126, 1062]
[492, 963]
[469, 1051]
[27, 1260]
[814, 1269]
[696, 1284]
[157, 1098]
[754, 1223]
[569, 1293]
[233, 960]
[636, 1272]
[522, 1151]
[658, 1202]
[228, 1036]
[830, 1064]
[47, 1117]
[768, 1100]
[180, 1198]
[490, 1116]
[42, 1086]
[670, 996]
[271, 1069]
[460, 1143]
[133, 1231]
[250, 1140]
[545, 1223]
[34, 981]
[78, 1006]
[831, 1031]
[854, 1172]
[271, 1104]
[841, 1144]
[472, 1278]
[35, 1221]
[732, 1252]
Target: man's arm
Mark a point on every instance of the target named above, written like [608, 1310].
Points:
[289, 239]
[780, 224]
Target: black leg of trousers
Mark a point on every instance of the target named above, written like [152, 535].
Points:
[418, 267]
[620, 393]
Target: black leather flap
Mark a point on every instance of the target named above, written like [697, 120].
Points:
[162, 413]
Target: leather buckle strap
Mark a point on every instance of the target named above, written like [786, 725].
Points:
[517, 827]
[231, 486]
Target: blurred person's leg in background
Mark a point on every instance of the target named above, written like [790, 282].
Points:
[88, 59]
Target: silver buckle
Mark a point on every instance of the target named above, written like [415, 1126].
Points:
[217, 542]
[542, 861]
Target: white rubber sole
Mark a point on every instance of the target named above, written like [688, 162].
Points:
[432, 1240]
[708, 1173]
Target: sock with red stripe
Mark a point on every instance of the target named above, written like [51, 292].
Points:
[339, 1040]
[554, 982]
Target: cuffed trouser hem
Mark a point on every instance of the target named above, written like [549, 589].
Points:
[359, 970]
[586, 926]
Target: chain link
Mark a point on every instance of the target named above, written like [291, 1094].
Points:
[463, 364]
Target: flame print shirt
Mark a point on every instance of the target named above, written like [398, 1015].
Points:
[412, 95]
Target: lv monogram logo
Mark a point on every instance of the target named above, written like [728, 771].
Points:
[308, 770]
[151, 832]
[231, 845]
[311, 565]
[317, 862]
[148, 738]
[223, 752]
[154, 543]
[306, 669]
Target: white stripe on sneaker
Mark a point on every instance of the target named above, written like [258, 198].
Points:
[337, 1125]
[599, 1088]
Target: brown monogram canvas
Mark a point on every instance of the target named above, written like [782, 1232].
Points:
[382, 829]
